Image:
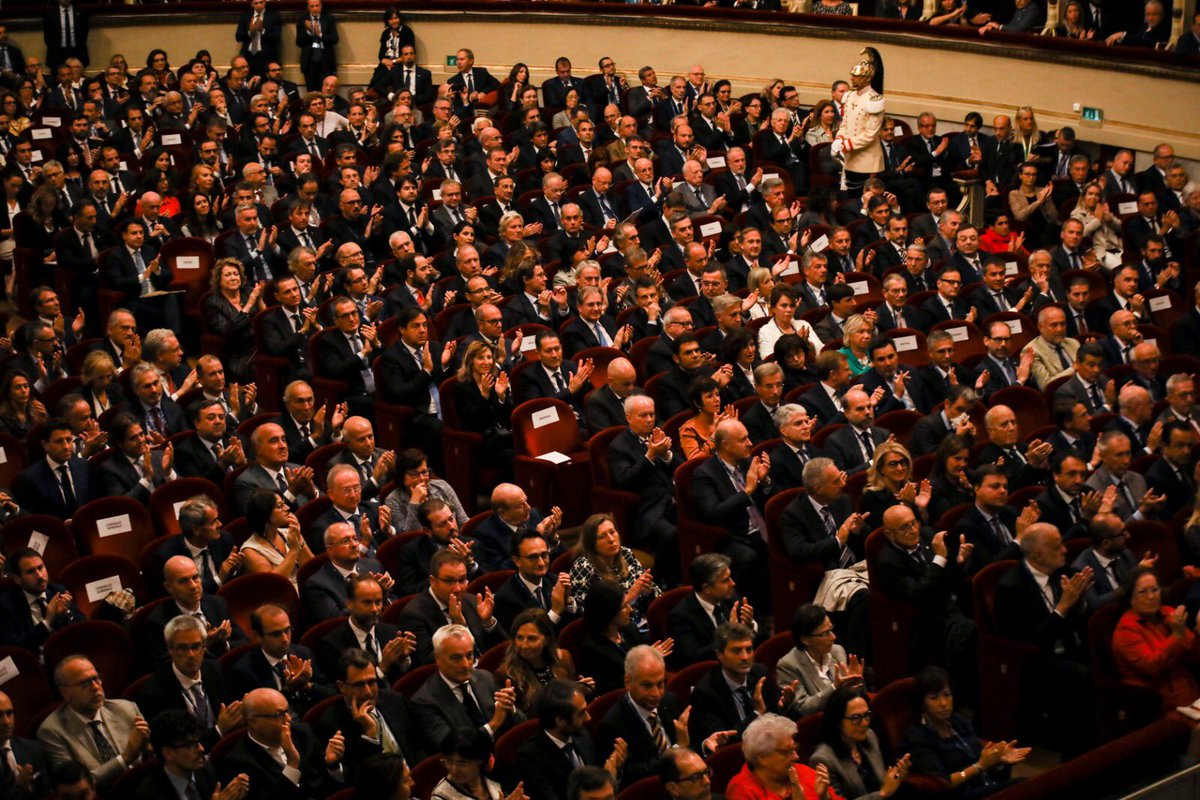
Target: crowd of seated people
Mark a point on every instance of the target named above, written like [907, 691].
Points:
[278, 357]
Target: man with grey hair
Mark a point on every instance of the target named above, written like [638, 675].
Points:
[1133, 500]
[714, 600]
[1145, 360]
[759, 419]
[677, 320]
[161, 348]
[202, 539]
[594, 327]
[106, 736]
[1135, 420]
[821, 526]
[641, 460]
[457, 695]
[1181, 401]
[727, 308]
[157, 412]
[325, 593]
[789, 456]
[190, 681]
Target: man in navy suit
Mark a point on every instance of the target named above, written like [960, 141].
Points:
[31, 778]
[411, 370]
[511, 512]
[134, 469]
[731, 489]
[134, 269]
[853, 446]
[547, 209]
[189, 681]
[725, 700]
[900, 388]
[554, 376]
[560, 746]
[929, 431]
[594, 327]
[533, 586]
[32, 608]
[823, 401]
[1109, 558]
[470, 85]
[1002, 368]
[693, 623]
[278, 663]
[156, 412]
[182, 582]
[991, 526]
[947, 304]
[789, 456]
[59, 483]
[324, 594]
[202, 540]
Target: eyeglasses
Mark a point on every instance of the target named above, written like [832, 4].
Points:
[417, 473]
[278, 716]
[896, 462]
[858, 719]
[696, 777]
[542, 556]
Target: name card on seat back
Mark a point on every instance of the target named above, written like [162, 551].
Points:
[1129, 207]
[187, 262]
[555, 457]
[905, 343]
[41, 133]
[959, 334]
[715, 162]
[111, 526]
[38, 541]
[859, 287]
[170, 139]
[1014, 326]
[53, 122]
[8, 670]
[710, 229]
[547, 416]
[98, 590]
[1160, 303]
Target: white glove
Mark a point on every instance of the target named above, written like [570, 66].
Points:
[836, 148]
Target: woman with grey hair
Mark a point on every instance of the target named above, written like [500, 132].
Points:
[773, 769]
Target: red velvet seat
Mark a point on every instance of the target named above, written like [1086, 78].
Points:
[548, 426]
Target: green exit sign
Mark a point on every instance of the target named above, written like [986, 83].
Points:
[1090, 114]
[451, 61]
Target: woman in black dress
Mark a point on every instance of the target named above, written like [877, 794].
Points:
[228, 312]
[484, 403]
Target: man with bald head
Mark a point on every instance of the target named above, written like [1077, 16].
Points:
[1043, 603]
[1135, 419]
[1109, 558]
[492, 547]
[1118, 345]
[282, 759]
[375, 465]
[30, 777]
[604, 408]
[600, 206]
[106, 736]
[1053, 352]
[1024, 464]
[324, 593]
[731, 489]
[184, 587]
[273, 471]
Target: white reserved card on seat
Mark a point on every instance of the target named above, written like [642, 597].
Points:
[111, 526]
[98, 590]
[554, 457]
[8, 670]
[547, 416]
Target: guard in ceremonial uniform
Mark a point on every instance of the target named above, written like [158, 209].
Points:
[857, 139]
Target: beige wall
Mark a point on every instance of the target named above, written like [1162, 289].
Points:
[1142, 106]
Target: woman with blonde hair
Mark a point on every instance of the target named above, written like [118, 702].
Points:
[100, 387]
[1100, 224]
[484, 403]
[889, 482]
[856, 336]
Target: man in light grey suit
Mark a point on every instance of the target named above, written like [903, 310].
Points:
[1133, 501]
[698, 196]
[273, 471]
[815, 665]
[106, 736]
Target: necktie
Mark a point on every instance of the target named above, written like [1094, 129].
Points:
[103, 746]
[312, 149]
[68, 32]
[208, 575]
[371, 648]
[1000, 531]
[304, 434]
[757, 523]
[200, 705]
[64, 478]
[898, 315]
[605, 208]
[1076, 510]
[470, 706]
[297, 324]
[1062, 356]
[255, 45]
[281, 483]
[1001, 302]
[278, 670]
[601, 335]
[658, 734]
[572, 755]
[191, 792]
[746, 701]
[7, 778]
[558, 382]
[1125, 353]
[719, 615]
[1127, 495]
[1114, 569]
[1014, 455]
[539, 597]
[157, 421]
[868, 445]
[1097, 400]
[846, 558]
[1080, 323]
[1010, 371]
[470, 82]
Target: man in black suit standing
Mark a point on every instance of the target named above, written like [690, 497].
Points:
[278, 663]
[737, 691]
[714, 601]
[560, 746]
[641, 460]
[259, 30]
[853, 447]
[371, 720]
[286, 329]
[189, 681]
[316, 37]
[730, 490]
[59, 483]
[411, 370]
[446, 602]
[11, 57]
[135, 270]
[459, 696]
[388, 648]
[31, 607]
[1040, 602]
[470, 85]
[407, 74]
[533, 586]
[65, 31]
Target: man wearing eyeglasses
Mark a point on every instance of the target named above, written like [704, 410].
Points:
[189, 681]
[106, 736]
[685, 775]
[447, 601]
[278, 662]
[183, 771]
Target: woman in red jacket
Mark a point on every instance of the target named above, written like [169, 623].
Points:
[773, 769]
[1152, 645]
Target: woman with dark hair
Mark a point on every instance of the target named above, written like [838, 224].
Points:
[602, 558]
[608, 635]
[821, 123]
[158, 65]
[513, 88]
[395, 35]
[483, 400]
[696, 435]
[816, 663]
[794, 354]
[267, 549]
[162, 183]
[757, 115]
[417, 485]
[534, 659]
[1152, 644]
[740, 351]
[948, 479]
[199, 218]
[467, 755]
[723, 92]
[999, 237]
[849, 749]
[47, 217]
[19, 411]
[228, 312]
[943, 743]
[818, 210]
[388, 771]
[463, 234]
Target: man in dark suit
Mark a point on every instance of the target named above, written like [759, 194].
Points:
[1089, 385]
[278, 663]
[316, 38]
[947, 304]
[371, 720]
[929, 431]
[202, 540]
[470, 85]
[32, 608]
[693, 622]
[561, 745]
[992, 527]
[407, 74]
[385, 645]
[11, 57]
[135, 270]
[436, 517]
[371, 521]
[411, 370]
[1171, 475]
[533, 586]
[457, 695]
[272, 470]
[182, 582]
[926, 576]
[134, 469]
[325, 593]
[286, 328]
[209, 453]
[150, 405]
[189, 681]
[820, 527]
[304, 771]
[1026, 464]
[259, 30]
[1040, 602]
[304, 425]
[789, 456]
[59, 483]
[731, 489]
[824, 401]
[1066, 503]
[173, 738]
[901, 388]
[1002, 368]
[759, 419]
[65, 31]
[717, 706]
[601, 208]
[605, 407]
[445, 602]
[554, 376]
[511, 512]
[1109, 559]
[853, 446]
[594, 327]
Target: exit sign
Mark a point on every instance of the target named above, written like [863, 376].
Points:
[451, 61]
[1090, 114]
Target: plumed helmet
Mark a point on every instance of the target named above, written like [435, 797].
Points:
[871, 67]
